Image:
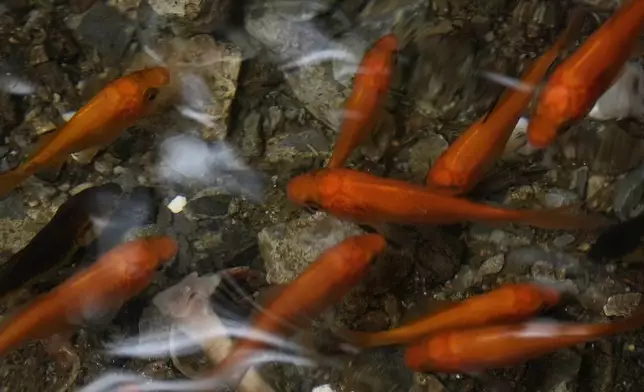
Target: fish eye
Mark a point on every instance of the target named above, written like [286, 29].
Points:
[151, 94]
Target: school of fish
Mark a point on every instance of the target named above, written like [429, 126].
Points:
[487, 331]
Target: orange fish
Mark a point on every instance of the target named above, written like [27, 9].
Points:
[509, 303]
[116, 277]
[322, 284]
[476, 150]
[368, 199]
[581, 79]
[118, 106]
[479, 349]
[363, 109]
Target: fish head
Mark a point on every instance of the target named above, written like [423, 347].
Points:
[554, 111]
[303, 190]
[377, 65]
[137, 92]
[387, 43]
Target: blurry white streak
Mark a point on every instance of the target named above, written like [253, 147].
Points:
[323, 388]
[154, 55]
[508, 81]
[115, 382]
[187, 157]
[15, 85]
[151, 346]
[625, 98]
[177, 204]
[202, 118]
[321, 56]
[548, 328]
[187, 303]
[257, 357]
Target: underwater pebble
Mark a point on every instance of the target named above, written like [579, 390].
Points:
[558, 198]
[563, 240]
[177, 204]
[622, 304]
[493, 265]
[542, 269]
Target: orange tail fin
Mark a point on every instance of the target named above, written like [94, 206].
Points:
[556, 219]
[10, 180]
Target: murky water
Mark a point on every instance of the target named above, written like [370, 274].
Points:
[255, 97]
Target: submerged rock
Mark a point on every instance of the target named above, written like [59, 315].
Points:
[622, 304]
[289, 248]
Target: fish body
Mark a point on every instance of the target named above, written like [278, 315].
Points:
[59, 238]
[491, 347]
[324, 283]
[363, 109]
[509, 303]
[116, 277]
[476, 150]
[368, 199]
[118, 106]
[581, 79]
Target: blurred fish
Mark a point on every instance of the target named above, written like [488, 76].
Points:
[54, 245]
[619, 240]
[509, 303]
[118, 106]
[476, 150]
[498, 346]
[581, 79]
[368, 199]
[137, 210]
[116, 277]
[363, 109]
[321, 285]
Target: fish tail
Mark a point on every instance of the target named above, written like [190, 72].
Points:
[10, 180]
[556, 219]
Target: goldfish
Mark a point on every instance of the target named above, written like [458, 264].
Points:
[582, 78]
[476, 150]
[363, 109]
[117, 276]
[512, 302]
[324, 283]
[368, 199]
[478, 349]
[115, 108]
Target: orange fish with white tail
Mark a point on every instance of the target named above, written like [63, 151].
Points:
[115, 108]
[363, 109]
[323, 284]
[368, 199]
[116, 277]
[512, 302]
[476, 150]
[479, 349]
[581, 79]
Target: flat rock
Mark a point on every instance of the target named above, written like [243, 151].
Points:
[289, 248]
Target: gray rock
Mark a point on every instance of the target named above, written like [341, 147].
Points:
[505, 239]
[563, 240]
[542, 270]
[292, 146]
[579, 178]
[556, 198]
[272, 120]
[107, 30]
[622, 304]
[519, 260]
[252, 141]
[493, 265]
[425, 152]
[209, 206]
[464, 279]
[290, 41]
[193, 16]
[289, 248]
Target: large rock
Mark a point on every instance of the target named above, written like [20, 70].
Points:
[289, 248]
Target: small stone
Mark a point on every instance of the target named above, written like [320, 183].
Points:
[207, 242]
[622, 304]
[103, 166]
[107, 30]
[542, 269]
[80, 187]
[37, 55]
[296, 146]
[464, 279]
[177, 204]
[578, 181]
[563, 240]
[493, 265]
[209, 206]
[558, 198]
[252, 141]
[505, 240]
[272, 120]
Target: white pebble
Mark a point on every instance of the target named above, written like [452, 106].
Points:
[177, 204]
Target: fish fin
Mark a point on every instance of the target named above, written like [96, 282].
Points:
[10, 180]
[556, 219]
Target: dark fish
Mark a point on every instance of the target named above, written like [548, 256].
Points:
[54, 245]
[618, 240]
[137, 210]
